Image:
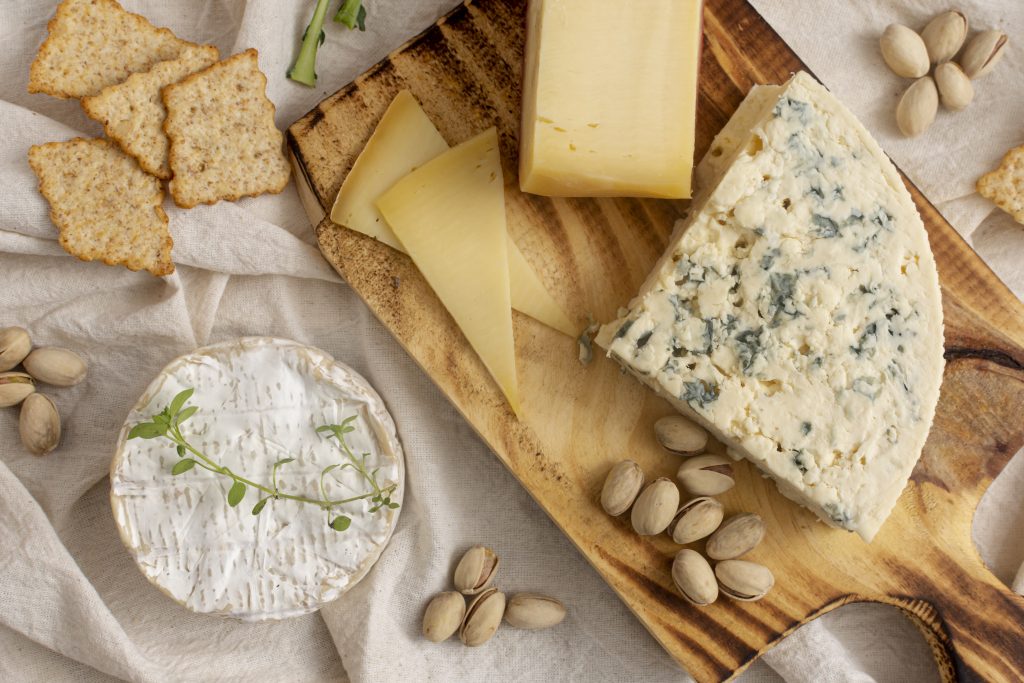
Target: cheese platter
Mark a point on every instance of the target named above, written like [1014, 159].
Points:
[576, 421]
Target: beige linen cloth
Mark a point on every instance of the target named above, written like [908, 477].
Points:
[73, 606]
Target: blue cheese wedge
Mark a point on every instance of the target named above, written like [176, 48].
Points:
[796, 313]
[260, 400]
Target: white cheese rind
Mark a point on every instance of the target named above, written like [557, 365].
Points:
[259, 400]
[797, 312]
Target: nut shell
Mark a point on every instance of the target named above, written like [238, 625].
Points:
[697, 519]
[706, 475]
[944, 36]
[983, 53]
[737, 536]
[483, 617]
[56, 366]
[15, 344]
[39, 424]
[621, 487]
[475, 570]
[954, 86]
[918, 107]
[534, 611]
[15, 388]
[694, 578]
[443, 616]
[904, 52]
[679, 435]
[655, 507]
[744, 581]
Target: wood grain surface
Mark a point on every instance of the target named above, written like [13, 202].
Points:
[579, 421]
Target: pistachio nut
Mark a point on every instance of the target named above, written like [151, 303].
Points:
[14, 346]
[742, 580]
[982, 53]
[443, 616]
[483, 617]
[737, 536]
[475, 570]
[694, 578]
[621, 487]
[917, 107]
[955, 88]
[697, 518]
[534, 611]
[904, 51]
[706, 475]
[56, 366]
[680, 435]
[944, 35]
[14, 388]
[39, 424]
[655, 507]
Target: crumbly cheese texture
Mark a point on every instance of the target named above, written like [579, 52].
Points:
[260, 400]
[797, 311]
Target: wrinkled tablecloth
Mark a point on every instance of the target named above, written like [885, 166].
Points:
[73, 606]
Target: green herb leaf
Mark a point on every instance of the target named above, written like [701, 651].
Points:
[236, 494]
[186, 414]
[179, 401]
[183, 466]
[146, 430]
[329, 468]
[340, 523]
[258, 507]
[283, 461]
[181, 451]
[393, 506]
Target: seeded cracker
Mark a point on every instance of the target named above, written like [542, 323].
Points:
[105, 206]
[1005, 185]
[224, 144]
[132, 113]
[95, 43]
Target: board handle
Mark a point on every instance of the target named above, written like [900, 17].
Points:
[975, 628]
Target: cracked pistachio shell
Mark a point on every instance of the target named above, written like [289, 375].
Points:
[475, 570]
[15, 388]
[983, 53]
[534, 611]
[955, 88]
[621, 487]
[679, 435]
[742, 580]
[706, 475]
[15, 344]
[483, 617]
[443, 616]
[918, 107]
[944, 36]
[56, 366]
[737, 536]
[697, 519]
[694, 578]
[655, 507]
[904, 52]
[39, 424]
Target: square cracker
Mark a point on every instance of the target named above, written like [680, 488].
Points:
[104, 205]
[132, 112]
[224, 144]
[1005, 185]
[96, 43]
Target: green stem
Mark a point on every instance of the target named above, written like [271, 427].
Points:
[304, 69]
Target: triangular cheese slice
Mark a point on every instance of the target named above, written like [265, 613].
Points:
[797, 311]
[449, 214]
[404, 140]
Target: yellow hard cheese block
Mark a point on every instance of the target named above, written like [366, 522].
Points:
[405, 139]
[610, 98]
[449, 214]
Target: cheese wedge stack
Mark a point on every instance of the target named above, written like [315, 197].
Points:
[797, 313]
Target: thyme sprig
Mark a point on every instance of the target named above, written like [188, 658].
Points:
[167, 425]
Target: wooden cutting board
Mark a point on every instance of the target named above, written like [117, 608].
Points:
[593, 255]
